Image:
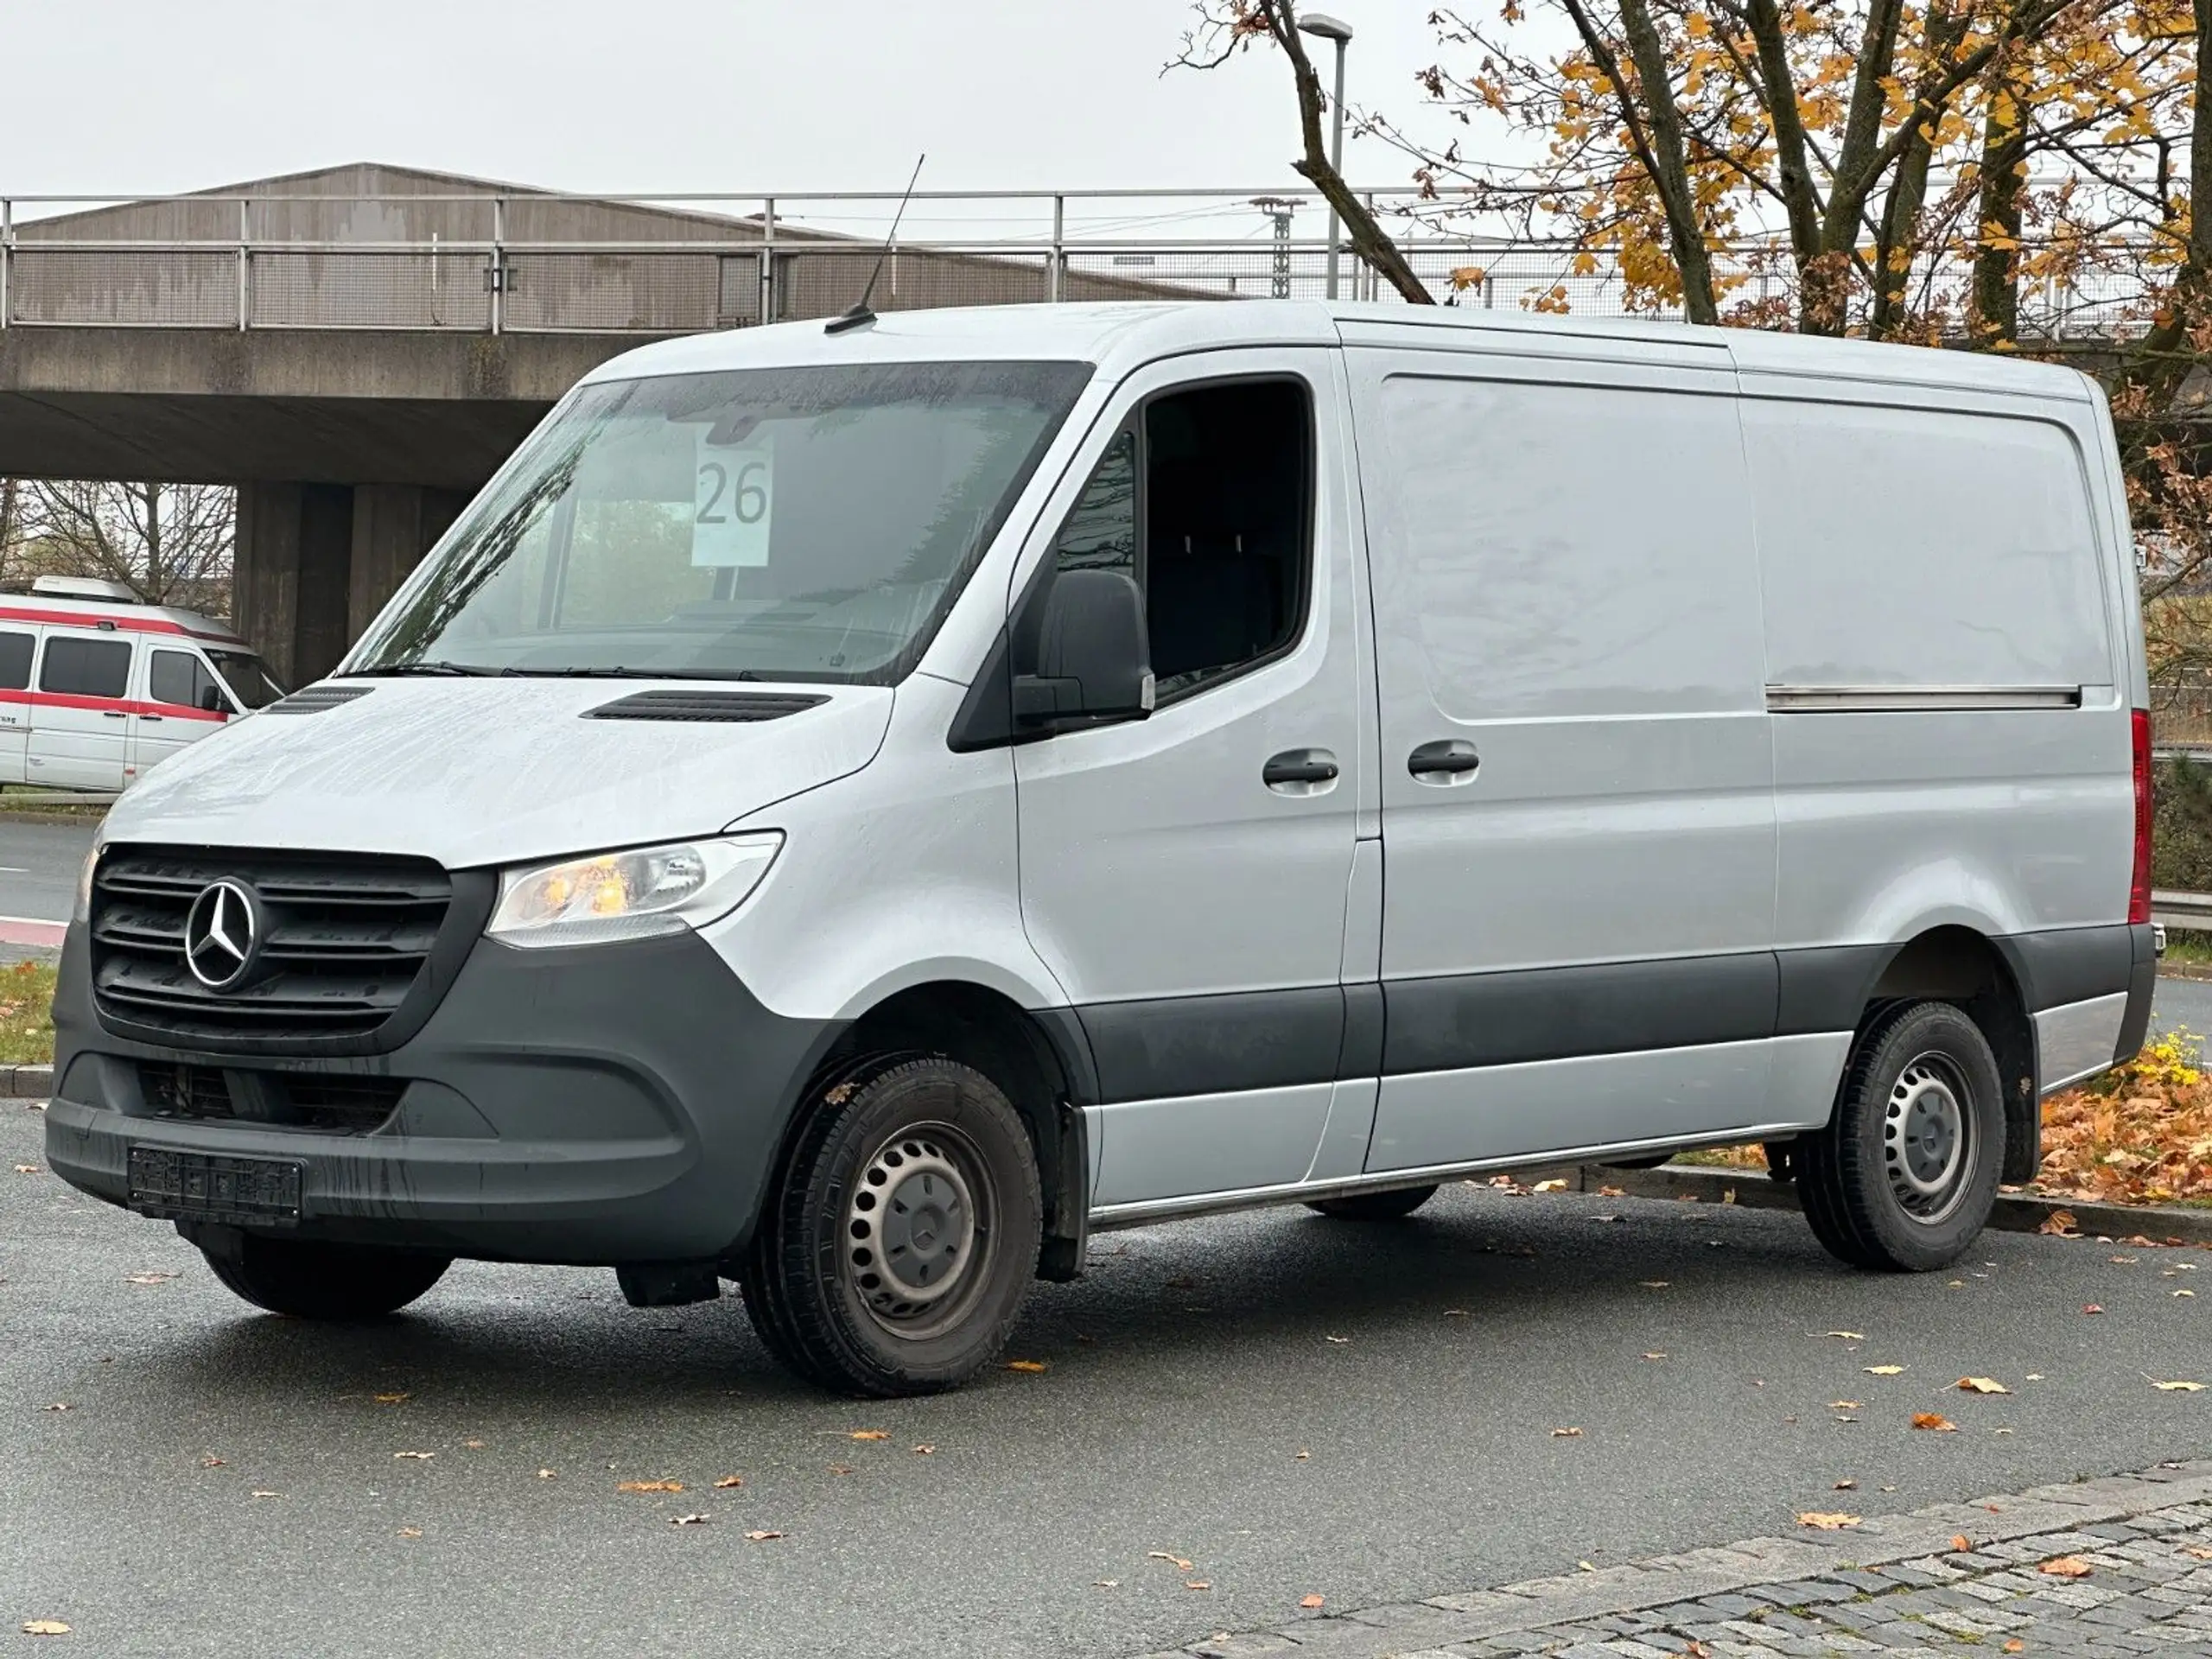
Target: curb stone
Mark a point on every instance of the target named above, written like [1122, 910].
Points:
[2015, 1213]
[25, 1082]
[1434, 1628]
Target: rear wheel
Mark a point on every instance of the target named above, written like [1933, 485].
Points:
[1903, 1177]
[894, 1258]
[311, 1280]
[1392, 1206]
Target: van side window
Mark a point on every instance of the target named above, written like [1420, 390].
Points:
[180, 679]
[1204, 502]
[85, 668]
[1225, 544]
[15, 661]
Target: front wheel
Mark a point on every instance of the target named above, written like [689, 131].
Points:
[1905, 1173]
[893, 1257]
[310, 1281]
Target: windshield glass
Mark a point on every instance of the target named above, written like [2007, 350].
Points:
[796, 523]
[247, 680]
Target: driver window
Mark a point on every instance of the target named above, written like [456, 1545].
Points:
[1204, 501]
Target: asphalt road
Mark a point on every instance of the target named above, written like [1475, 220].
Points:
[1291, 1405]
[39, 864]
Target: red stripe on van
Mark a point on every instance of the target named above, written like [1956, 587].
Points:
[120, 705]
[114, 623]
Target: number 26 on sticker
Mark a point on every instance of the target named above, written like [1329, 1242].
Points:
[731, 505]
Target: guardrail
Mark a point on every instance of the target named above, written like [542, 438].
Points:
[2187, 910]
[543, 262]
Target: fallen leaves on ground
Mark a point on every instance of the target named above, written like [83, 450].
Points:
[1197, 1584]
[1031, 1365]
[2060, 1223]
[1850, 1336]
[1982, 1385]
[1960, 1543]
[1610, 1192]
[2198, 1551]
[841, 1468]
[410, 1532]
[1843, 1404]
[2091, 1308]
[648, 1485]
[2142, 1134]
[2177, 1387]
[59, 1405]
[2013, 1644]
[211, 1462]
[2065, 1566]
[1882, 1370]
[1550, 1186]
[1566, 1434]
[1181, 1565]
[418, 1457]
[728, 1481]
[391, 1399]
[922, 1449]
[1827, 1520]
[1845, 1486]
[1935, 1422]
[148, 1277]
[547, 1474]
[45, 1627]
[688, 1520]
[1311, 1602]
[762, 1534]
[26, 1169]
[263, 1492]
[871, 1434]
[1654, 1284]
[1655, 1354]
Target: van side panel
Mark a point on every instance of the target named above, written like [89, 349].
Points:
[1951, 715]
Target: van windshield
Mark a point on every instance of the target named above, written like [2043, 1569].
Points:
[792, 523]
[246, 677]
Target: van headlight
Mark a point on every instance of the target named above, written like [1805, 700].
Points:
[631, 894]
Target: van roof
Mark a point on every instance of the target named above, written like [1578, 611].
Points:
[1119, 336]
[123, 618]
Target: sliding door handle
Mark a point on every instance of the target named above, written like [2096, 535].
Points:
[1448, 760]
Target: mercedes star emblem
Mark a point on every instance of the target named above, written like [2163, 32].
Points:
[222, 935]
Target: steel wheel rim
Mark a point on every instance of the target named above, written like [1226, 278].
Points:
[1928, 1137]
[918, 1228]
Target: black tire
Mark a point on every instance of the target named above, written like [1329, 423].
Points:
[892, 1256]
[1394, 1206]
[1903, 1177]
[309, 1280]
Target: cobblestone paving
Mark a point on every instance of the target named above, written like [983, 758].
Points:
[2134, 1578]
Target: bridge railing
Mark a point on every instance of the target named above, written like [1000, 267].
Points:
[544, 263]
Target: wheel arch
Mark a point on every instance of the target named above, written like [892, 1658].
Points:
[1955, 963]
[1040, 1057]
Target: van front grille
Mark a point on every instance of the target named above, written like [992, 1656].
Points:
[345, 940]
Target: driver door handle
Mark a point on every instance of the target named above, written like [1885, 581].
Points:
[1444, 761]
[1296, 770]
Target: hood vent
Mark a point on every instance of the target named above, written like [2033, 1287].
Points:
[744, 706]
[314, 699]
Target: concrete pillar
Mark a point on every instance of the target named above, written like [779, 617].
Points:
[394, 525]
[265, 573]
[290, 577]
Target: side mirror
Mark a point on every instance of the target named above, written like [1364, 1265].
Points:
[1093, 658]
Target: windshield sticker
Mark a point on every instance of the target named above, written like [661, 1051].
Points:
[734, 498]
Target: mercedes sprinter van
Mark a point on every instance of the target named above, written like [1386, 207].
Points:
[850, 810]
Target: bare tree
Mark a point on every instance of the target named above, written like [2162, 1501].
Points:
[1226, 28]
[169, 544]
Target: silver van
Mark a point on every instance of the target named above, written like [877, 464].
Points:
[851, 811]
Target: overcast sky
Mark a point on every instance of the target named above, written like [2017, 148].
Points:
[145, 96]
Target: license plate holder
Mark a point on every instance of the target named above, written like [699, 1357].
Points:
[213, 1186]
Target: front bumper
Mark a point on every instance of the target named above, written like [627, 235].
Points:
[596, 1105]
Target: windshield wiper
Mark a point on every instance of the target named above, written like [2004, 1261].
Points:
[393, 670]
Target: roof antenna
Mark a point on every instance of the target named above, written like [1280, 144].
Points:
[860, 313]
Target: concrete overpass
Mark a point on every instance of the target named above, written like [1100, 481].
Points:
[358, 348]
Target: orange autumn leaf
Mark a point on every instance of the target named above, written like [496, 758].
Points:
[1827, 1520]
[1934, 1422]
[2065, 1566]
[871, 1434]
[648, 1485]
[1310, 1602]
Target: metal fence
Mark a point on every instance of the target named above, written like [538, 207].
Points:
[546, 263]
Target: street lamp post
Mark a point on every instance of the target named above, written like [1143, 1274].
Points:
[1321, 25]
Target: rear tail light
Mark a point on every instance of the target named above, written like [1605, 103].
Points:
[2138, 891]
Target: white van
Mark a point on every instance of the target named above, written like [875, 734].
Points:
[96, 687]
[849, 812]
